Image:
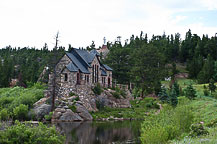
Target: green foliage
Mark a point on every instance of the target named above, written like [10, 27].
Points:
[198, 130]
[72, 94]
[97, 89]
[163, 96]
[73, 108]
[20, 112]
[190, 92]
[206, 92]
[26, 64]
[212, 86]
[173, 97]
[207, 71]
[49, 116]
[138, 109]
[116, 95]
[11, 98]
[4, 115]
[27, 133]
[148, 67]
[170, 123]
[136, 92]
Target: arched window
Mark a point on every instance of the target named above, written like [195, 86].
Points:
[66, 77]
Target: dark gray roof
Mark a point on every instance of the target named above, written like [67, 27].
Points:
[82, 59]
[103, 72]
[88, 57]
[93, 51]
[71, 67]
[107, 67]
[79, 63]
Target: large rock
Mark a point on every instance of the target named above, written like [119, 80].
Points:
[83, 112]
[41, 110]
[69, 116]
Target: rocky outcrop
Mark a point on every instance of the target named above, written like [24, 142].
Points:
[77, 113]
[75, 103]
[83, 113]
[69, 116]
[41, 110]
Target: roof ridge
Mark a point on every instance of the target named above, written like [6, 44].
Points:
[82, 57]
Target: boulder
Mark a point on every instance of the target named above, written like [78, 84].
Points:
[41, 110]
[56, 115]
[83, 112]
[69, 116]
[62, 110]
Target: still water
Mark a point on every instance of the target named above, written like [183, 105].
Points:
[112, 132]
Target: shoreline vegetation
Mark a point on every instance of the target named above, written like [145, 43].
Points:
[180, 75]
[169, 125]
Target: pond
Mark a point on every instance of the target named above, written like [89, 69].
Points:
[103, 132]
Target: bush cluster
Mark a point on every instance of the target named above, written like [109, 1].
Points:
[21, 133]
[97, 89]
[167, 125]
[16, 102]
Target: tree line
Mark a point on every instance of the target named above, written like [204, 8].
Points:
[146, 62]
[140, 60]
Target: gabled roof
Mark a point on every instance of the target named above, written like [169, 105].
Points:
[82, 59]
[78, 62]
[94, 52]
[71, 67]
[107, 67]
[86, 56]
[103, 72]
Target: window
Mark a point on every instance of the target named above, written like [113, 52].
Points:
[88, 78]
[66, 77]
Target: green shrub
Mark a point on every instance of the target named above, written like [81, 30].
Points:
[116, 95]
[38, 86]
[97, 89]
[212, 123]
[4, 115]
[197, 130]
[170, 123]
[190, 92]
[27, 133]
[73, 108]
[77, 98]
[206, 92]
[72, 94]
[49, 116]
[99, 105]
[20, 112]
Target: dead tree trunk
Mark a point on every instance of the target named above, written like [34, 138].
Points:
[54, 72]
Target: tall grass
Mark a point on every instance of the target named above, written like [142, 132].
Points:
[170, 123]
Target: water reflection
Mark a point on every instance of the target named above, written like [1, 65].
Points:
[101, 132]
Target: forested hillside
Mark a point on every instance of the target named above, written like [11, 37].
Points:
[145, 61]
[26, 64]
[141, 60]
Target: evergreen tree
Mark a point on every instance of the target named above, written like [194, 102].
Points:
[148, 68]
[176, 88]
[173, 97]
[190, 92]
[212, 86]
[207, 71]
[163, 96]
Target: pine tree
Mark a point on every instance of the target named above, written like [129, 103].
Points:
[163, 96]
[176, 87]
[190, 92]
[173, 97]
[207, 71]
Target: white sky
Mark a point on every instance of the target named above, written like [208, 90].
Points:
[35, 22]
